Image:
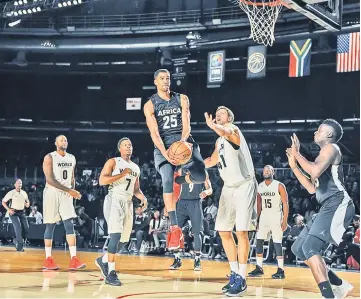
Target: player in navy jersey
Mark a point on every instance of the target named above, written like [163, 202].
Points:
[168, 119]
[189, 207]
[337, 209]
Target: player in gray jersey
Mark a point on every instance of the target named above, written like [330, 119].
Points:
[168, 119]
[325, 178]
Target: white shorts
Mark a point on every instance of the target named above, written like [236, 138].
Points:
[237, 207]
[118, 213]
[57, 205]
[270, 223]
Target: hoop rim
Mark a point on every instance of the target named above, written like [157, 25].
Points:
[270, 3]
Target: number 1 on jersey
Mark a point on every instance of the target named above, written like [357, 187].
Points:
[222, 163]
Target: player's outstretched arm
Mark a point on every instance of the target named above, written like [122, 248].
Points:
[49, 174]
[186, 117]
[153, 127]
[304, 180]
[284, 197]
[212, 160]
[228, 131]
[139, 194]
[106, 177]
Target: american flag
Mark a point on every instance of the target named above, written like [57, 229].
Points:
[348, 52]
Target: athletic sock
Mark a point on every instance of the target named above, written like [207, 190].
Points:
[242, 270]
[105, 258]
[111, 267]
[47, 252]
[280, 263]
[334, 279]
[259, 261]
[326, 290]
[173, 218]
[234, 266]
[72, 250]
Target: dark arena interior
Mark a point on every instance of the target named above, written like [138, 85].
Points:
[280, 83]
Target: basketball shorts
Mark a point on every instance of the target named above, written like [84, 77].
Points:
[190, 209]
[118, 213]
[237, 207]
[57, 205]
[159, 159]
[270, 223]
[334, 217]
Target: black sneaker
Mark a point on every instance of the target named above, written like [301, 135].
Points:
[239, 287]
[112, 279]
[280, 274]
[232, 279]
[197, 264]
[177, 263]
[103, 267]
[256, 272]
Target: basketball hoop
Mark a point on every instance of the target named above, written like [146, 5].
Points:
[262, 15]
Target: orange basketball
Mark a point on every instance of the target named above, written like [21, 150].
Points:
[180, 151]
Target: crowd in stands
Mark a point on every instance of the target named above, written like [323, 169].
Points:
[150, 227]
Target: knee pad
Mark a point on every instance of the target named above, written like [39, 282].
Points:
[69, 227]
[312, 246]
[278, 249]
[259, 246]
[113, 243]
[297, 249]
[198, 174]
[49, 231]
[167, 173]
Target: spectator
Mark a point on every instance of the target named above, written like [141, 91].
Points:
[309, 212]
[211, 208]
[140, 227]
[84, 225]
[36, 214]
[155, 231]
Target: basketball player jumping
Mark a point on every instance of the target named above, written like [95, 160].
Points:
[168, 119]
[189, 207]
[122, 176]
[238, 198]
[337, 209]
[273, 199]
[58, 167]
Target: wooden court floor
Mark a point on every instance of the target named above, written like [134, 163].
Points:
[21, 276]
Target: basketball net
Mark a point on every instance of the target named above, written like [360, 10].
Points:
[262, 15]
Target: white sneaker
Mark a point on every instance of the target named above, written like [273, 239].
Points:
[343, 290]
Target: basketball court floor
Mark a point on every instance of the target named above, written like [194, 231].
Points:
[21, 276]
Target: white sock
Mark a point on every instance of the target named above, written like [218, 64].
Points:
[177, 255]
[105, 258]
[280, 262]
[242, 270]
[111, 266]
[47, 252]
[234, 266]
[259, 261]
[72, 250]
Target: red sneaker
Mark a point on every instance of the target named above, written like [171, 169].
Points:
[175, 236]
[49, 264]
[177, 188]
[76, 264]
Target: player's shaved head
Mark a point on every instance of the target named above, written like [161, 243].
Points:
[268, 172]
[61, 142]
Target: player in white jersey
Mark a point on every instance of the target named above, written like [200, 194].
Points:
[272, 200]
[58, 195]
[238, 198]
[122, 176]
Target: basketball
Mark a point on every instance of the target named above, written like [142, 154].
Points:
[180, 151]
